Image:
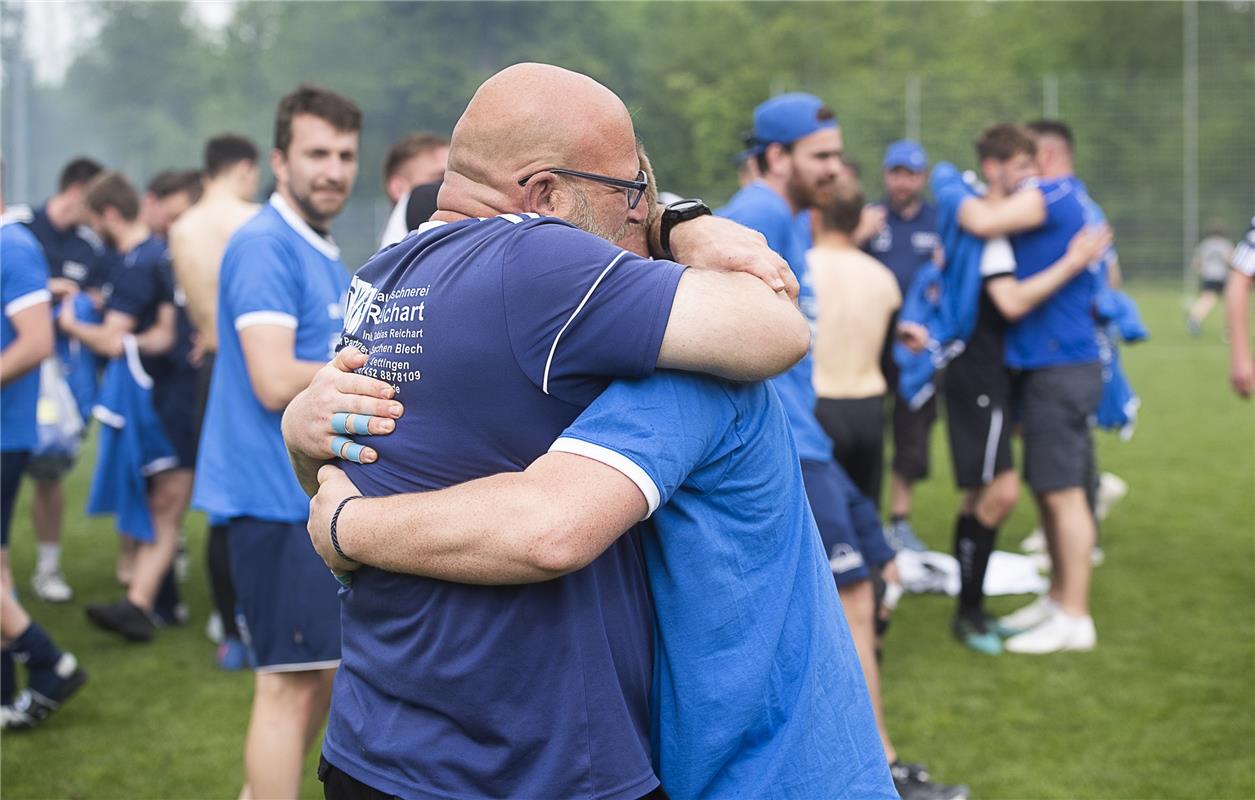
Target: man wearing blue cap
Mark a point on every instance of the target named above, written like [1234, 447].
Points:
[798, 146]
[906, 241]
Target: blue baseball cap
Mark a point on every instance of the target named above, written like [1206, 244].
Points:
[786, 118]
[907, 154]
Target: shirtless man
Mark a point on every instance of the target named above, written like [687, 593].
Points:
[197, 241]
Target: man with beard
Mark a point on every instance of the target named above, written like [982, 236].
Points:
[798, 147]
[906, 241]
[281, 292]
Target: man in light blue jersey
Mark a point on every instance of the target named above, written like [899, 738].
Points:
[281, 295]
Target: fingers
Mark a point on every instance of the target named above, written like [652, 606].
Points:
[344, 448]
[329, 472]
[353, 383]
[349, 359]
[350, 424]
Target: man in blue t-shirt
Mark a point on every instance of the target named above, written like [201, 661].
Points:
[77, 261]
[25, 341]
[280, 309]
[496, 323]
[905, 242]
[140, 302]
[1053, 351]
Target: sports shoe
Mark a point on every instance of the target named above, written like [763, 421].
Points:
[1193, 327]
[1035, 542]
[1058, 633]
[1097, 557]
[182, 562]
[976, 635]
[122, 618]
[50, 586]
[902, 536]
[914, 783]
[1030, 616]
[31, 707]
[1111, 490]
[213, 628]
[233, 655]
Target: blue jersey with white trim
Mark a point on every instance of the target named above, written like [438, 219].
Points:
[757, 206]
[276, 271]
[496, 334]
[757, 688]
[23, 284]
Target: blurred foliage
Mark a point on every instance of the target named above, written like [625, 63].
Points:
[154, 84]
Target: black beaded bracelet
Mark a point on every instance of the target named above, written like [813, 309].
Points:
[335, 518]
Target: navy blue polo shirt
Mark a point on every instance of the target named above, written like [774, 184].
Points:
[905, 245]
[497, 333]
[76, 253]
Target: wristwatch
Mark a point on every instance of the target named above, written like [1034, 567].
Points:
[674, 214]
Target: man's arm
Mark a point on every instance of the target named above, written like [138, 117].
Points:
[553, 518]
[721, 245]
[159, 337]
[32, 341]
[1237, 298]
[104, 339]
[274, 371]
[1016, 298]
[987, 218]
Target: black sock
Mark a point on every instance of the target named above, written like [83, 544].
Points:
[8, 678]
[167, 601]
[973, 545]
[36, 650]
[218, 559]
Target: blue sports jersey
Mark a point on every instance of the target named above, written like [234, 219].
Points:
[757, 687]
[757, 206]
[80, 364]
[276, 271]
[76, 253]
[132, 446]
[905, 245]
[1061, 329]
[23, 283]
[497, 333]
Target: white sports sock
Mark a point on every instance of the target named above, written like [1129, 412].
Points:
[48, 558]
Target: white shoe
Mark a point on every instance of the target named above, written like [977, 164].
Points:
[1035, 542]
[213, 628]
[50, 586]
[1111, 490]
[1097, 557]
[1030, 616]
[1058, 633]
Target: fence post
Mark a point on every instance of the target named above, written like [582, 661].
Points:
[1189, 139]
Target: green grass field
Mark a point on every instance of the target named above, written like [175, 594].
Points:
[1164, 708]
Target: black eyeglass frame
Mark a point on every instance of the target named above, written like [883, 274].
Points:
[635, 189]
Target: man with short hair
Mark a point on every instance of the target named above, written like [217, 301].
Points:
[77, 261]
[281, 291]
[1211, 262]
[417, 160]
[1238, 314]
[906, 241]
[197, 241]
[169, 193]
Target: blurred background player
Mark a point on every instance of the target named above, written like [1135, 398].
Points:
[168, 195]
[77, 261]
[280, 313]
[141, 302]
[25, 341]
[197, 241]
[1238, 314]
[1211, 263]
[905, 241]
[417, 160]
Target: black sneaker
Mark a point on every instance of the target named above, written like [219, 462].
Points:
[32, 708]
[914, 783]
[122, 618]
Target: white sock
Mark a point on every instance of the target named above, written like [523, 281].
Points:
[48, 558]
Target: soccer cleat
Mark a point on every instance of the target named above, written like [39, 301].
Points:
[50, 586]
[914, 783]
[976, 634]
[1057, 634]
[122, 618]
[1028, 617]
[31, 707]
[1111, 490]
[902, 536]
[1035, 542]
[213, 628]
[233, 655]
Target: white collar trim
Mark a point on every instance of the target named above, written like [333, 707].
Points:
[325, 246]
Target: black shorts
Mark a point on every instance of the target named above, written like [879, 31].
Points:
[911, 429]
[1205, 285]
[857, 428]
[12, 465]
[174, 400]
[1058, 406]
[978, 422]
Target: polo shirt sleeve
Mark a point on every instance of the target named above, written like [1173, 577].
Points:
[580, 311]
[1243, 258]
[25, 281]
[656, 431]
[997, 259]
[259, 286]
[137, 288]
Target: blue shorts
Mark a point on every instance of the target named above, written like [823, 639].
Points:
[174, 400]
[289, 597]
[849, 525]
[12, 465]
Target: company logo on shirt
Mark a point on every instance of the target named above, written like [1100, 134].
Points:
[74, 271]
[844, 558]
[361, 297]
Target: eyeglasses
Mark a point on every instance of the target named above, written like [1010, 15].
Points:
[635, 189]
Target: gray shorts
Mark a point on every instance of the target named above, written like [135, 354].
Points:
[1058, 405]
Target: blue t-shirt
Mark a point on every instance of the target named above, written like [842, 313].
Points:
[23, 283]
[76, 253]
[497, 333]
[757, 206]
[905, 245]
[276, 271]
[757, 690]
[1060, 330]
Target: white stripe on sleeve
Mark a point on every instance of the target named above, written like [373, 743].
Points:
[27, 300]
[630, 469]
[252, 318]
